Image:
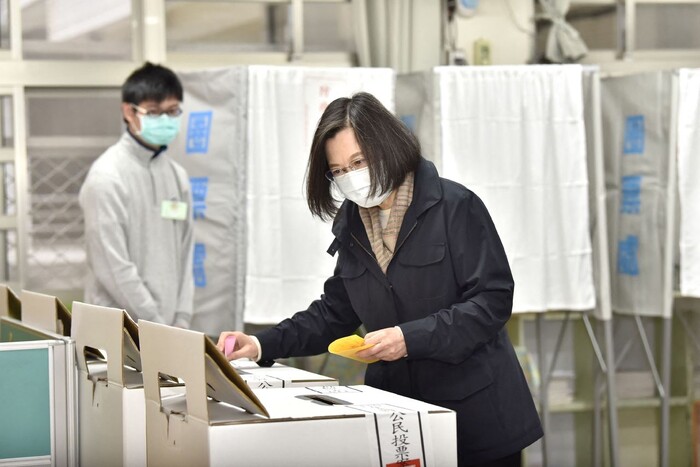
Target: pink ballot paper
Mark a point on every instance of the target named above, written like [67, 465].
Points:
[229, 344]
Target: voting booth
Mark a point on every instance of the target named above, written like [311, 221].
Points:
[220, 421]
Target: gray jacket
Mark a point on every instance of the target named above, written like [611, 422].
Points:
[137, 259]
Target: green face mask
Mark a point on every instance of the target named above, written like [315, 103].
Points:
[159, 131]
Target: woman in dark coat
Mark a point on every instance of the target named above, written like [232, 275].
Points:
[421, 266]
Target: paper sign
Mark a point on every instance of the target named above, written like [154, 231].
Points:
[631, 194]
[198, 269]
[198, 132]
[348, 346]
[634, 135]
[399, 435]
[229, 345]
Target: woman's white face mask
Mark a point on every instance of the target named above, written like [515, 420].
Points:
[355, 186]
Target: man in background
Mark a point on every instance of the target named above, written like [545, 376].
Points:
[138, 210]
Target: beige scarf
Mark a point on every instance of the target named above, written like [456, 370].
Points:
[383, 241]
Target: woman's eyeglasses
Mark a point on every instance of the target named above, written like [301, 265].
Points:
[357, 164]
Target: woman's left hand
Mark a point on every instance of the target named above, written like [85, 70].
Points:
[387, 344]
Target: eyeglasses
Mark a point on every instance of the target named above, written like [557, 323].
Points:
[176, 112]
[357, 164]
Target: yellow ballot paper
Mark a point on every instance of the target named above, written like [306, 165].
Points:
[349, 346]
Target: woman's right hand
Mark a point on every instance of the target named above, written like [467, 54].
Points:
[243, 348]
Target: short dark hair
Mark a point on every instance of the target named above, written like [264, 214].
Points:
[388, 146]
[151, 83]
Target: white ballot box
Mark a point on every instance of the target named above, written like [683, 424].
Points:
[220, 421]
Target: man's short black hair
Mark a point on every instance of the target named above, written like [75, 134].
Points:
[151, 83]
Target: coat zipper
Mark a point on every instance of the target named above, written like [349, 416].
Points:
[365, 249]
[395, 251]
[415, 224]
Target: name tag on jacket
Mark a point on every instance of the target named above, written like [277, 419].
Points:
[175, 210]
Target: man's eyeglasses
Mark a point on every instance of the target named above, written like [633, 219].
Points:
[176, 112]
[357, 164]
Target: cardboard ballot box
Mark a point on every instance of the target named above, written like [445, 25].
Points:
[278, 376]
[310, 426]
[110, 387]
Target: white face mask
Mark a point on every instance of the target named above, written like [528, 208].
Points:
[355, 184]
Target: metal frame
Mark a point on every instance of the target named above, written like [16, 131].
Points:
[672, 184]
[63, 417]
[603, 259]
[21, 178]
[603, 358]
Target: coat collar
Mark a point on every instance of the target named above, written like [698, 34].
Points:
[142, 153]
[427, 191]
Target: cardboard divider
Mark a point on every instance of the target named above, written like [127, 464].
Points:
[45, 312]
[194, 358]
[10, 304]
[110, 329]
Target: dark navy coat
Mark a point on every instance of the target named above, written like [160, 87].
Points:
[449, 288]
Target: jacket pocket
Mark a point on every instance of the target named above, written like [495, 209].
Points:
[444, 381]
[423, 273]
[351, 269]
[423, 256]
[357, 282]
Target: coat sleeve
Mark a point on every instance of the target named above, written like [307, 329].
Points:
[486, 289]
[104, 209]
[310, 331]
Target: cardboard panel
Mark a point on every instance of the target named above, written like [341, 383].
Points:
[45, 312]
[10, 304]
[194, 358]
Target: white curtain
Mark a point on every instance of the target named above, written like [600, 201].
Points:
[516, 137]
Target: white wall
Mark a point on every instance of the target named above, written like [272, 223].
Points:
[506, 24]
